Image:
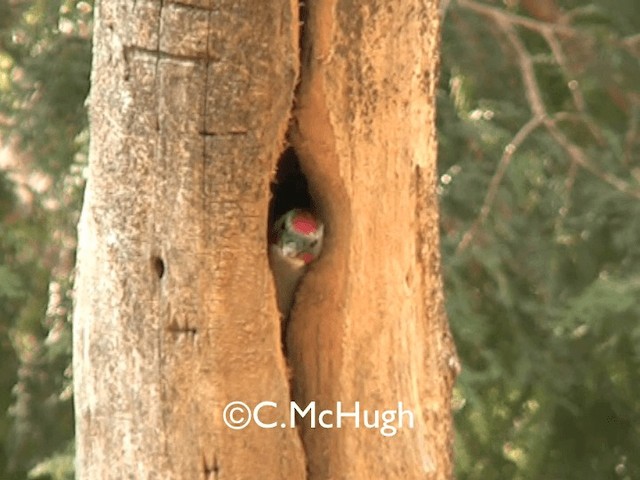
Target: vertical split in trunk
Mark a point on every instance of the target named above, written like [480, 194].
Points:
[174, 319]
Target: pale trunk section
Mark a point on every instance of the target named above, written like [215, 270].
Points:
[369, 323]
[175, 313]
[175, 307]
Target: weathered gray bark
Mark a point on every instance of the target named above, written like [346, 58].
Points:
[175, 306]
[174, 299]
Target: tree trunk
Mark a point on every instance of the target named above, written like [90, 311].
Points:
[175, 311]
[369, 323]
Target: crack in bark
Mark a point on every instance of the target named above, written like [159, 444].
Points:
[158, 54]
[284, 322]
[193, 6]
[211, 471]
[228, 133]
[175, 328]
[158, 266]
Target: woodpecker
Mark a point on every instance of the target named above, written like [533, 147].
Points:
[295, 242]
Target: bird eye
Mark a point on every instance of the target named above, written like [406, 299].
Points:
[313, 243]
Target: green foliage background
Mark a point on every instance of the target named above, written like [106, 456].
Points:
[543, 293]
[44, 80]
[540, 243]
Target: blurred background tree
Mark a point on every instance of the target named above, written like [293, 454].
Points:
[44, 80]
[539, 110]
[539, 121]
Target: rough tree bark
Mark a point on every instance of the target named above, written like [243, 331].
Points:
[175, 306]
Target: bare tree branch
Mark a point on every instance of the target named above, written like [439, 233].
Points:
[573, 85]
[531, 88]
[561, 60]
[529, 23]
[578, 157]
[509, 150]
[534, 96]
[631, 136]
[444, 6]
[632, 40]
